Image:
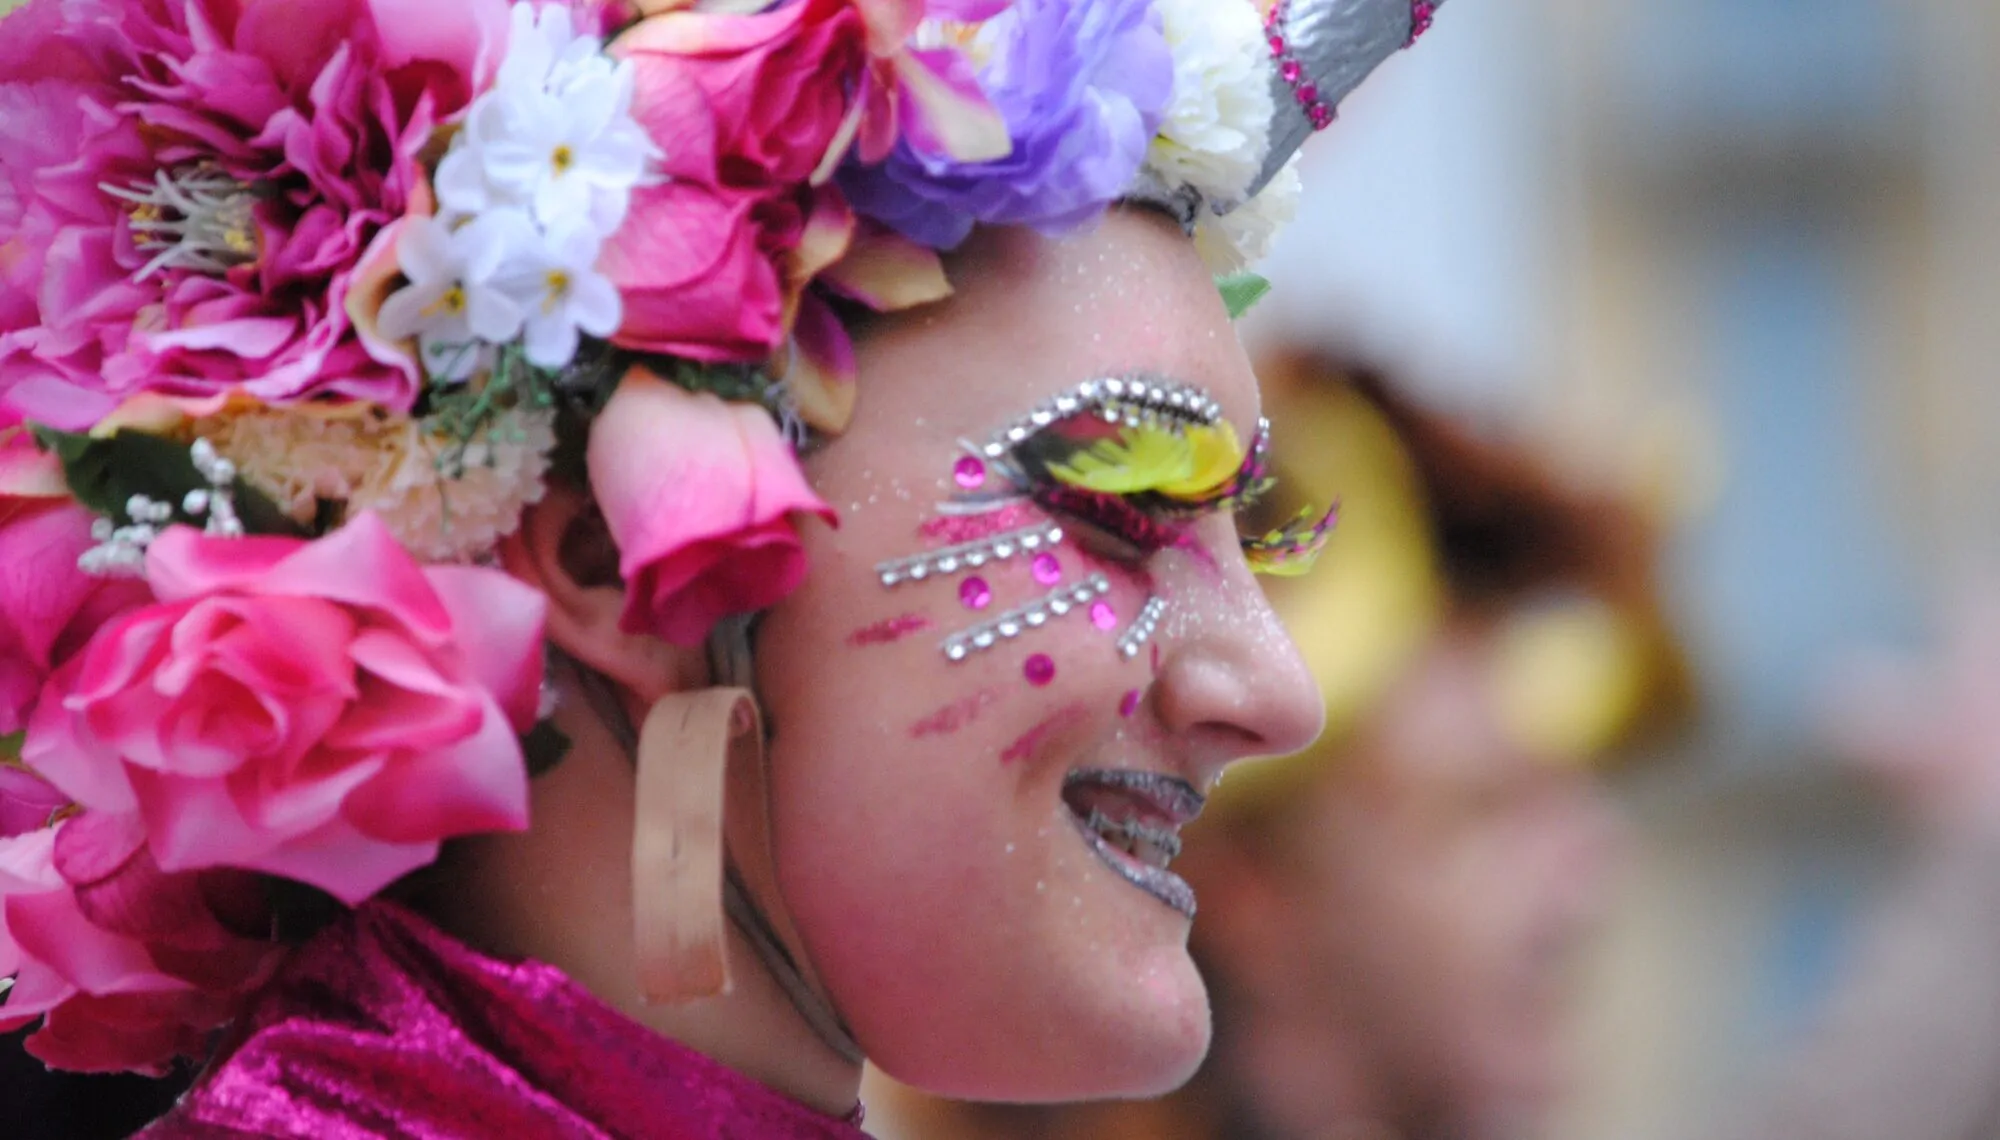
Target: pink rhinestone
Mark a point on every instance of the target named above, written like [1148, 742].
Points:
[970, 473]
[1048, 570]
[1277, 44]
[1040, 670]
[1309, 94]
[1321, 115]
[1104, 617]
[1129, 705]
[1290, 71]
[975, 593]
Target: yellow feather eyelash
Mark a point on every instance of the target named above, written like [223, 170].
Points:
[1182, 463]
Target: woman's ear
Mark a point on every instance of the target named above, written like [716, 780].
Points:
[564, 550]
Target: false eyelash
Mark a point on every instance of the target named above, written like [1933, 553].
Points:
[1115, 515]
[1252, 482]
[1290, 550]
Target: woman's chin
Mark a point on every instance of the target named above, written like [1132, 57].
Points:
[1139, 1035]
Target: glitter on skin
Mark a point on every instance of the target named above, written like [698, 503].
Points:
[952, 530]
[955, 715]
[891, 630]
[975, 593]
[1047, 569]
[1032, 740]
[1040, 670]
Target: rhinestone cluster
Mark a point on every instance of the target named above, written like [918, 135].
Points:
[1422, 14]
[1128, 400]
[1034, 615]
[1142, 628]
[970, 555]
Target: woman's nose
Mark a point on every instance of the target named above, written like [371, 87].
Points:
[1233, 682]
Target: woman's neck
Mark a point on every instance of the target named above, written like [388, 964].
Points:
[562, 894]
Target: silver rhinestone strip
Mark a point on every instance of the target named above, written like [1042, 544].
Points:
[970, 555]
[1128, 400]
[1034, 615]
[1141, 630]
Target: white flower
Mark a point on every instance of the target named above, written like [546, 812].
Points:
[555, 134]
[1232, 242]
[1217, 129]
[558, 287]
[451, 304]
[369, 460]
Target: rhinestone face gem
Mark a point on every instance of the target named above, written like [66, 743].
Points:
[1104, 616]
[1016, 622]
[969, 473]
[1130, 704]
[1039, 669]
[975, 593]
[1142, 628]
[968, 556]
[1047, 569]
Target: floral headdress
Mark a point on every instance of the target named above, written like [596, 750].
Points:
[294, 297]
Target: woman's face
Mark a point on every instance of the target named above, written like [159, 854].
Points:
[931, 815]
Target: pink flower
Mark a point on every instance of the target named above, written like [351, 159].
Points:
[48, 607]
[746, 108]
[301, 124]
[326, 711]
[699, 495]
[91, 930]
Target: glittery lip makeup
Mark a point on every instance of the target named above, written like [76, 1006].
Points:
[1131, 821]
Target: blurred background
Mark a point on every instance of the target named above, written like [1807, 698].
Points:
[1742, 256]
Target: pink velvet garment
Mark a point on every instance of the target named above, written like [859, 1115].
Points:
[382, 1026]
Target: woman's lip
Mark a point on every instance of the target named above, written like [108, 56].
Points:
[1171, 797]
[1159, 882]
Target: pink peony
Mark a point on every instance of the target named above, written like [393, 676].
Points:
[306, 122]
[326, 711]
[699, 495]
[48, 607]
[746, 109]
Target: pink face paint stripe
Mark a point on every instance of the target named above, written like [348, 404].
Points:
[955, 715]
[888, 631]
[1031, 741]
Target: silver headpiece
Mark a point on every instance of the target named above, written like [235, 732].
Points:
[1323, 49]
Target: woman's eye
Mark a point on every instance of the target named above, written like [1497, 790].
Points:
[1101, 543]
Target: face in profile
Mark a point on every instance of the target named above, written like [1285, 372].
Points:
[990, 721]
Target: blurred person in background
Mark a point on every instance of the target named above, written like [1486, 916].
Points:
[1390, 919]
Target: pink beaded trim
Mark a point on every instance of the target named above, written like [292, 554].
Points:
[1422, 14]
[1303, 89]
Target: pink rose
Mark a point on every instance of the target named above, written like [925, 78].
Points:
[699, 495]
[746, 109]
[326, 711]
[48, 607]
[129, 967]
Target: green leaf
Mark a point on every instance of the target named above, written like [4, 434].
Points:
[10, 747]
[544, 746]
[1241, 291]
[105, 473]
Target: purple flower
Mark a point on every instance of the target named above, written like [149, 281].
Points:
[1083, 86]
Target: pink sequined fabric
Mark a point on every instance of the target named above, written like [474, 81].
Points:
[383, 1026]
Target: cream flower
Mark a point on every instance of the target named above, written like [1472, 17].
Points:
[1217, 129]
[443, 503]
[1234, 241]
